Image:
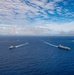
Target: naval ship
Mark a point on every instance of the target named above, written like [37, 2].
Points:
[12, 47]
[63, 47]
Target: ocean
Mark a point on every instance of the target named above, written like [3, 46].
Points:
[36, 57]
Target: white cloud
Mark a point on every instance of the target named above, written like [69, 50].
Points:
[58, 0]
[51, 12]
[47, 29]
[16, 11]
[39, 3]
[62, 27]
[50, 5]
[10, 8]
[59, 10]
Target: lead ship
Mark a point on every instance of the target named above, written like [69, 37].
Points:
[12, 47]
[63, 47]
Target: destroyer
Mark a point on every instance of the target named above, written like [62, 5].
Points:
[12, 47]
[63, 47]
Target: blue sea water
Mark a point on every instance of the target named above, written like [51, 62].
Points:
[36, 58]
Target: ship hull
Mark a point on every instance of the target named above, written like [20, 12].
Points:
[12, 47]
[61, 47]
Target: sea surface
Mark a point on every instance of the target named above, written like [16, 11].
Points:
[36, 57]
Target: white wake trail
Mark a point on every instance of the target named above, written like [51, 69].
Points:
[21, 45]
[49, 44]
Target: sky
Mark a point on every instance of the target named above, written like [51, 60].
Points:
[37, 17]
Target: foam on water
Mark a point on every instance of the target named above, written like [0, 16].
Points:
[49, 44]
[21, 45]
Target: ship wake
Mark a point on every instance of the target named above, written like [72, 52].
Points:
[21, 45]
[49, 43]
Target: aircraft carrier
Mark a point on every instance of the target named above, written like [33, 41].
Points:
[63, 47]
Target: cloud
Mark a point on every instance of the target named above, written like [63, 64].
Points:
[19, 9]
[48, 29]
[36, 17]
[63, 33]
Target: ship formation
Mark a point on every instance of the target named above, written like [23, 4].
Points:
[59, 46]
